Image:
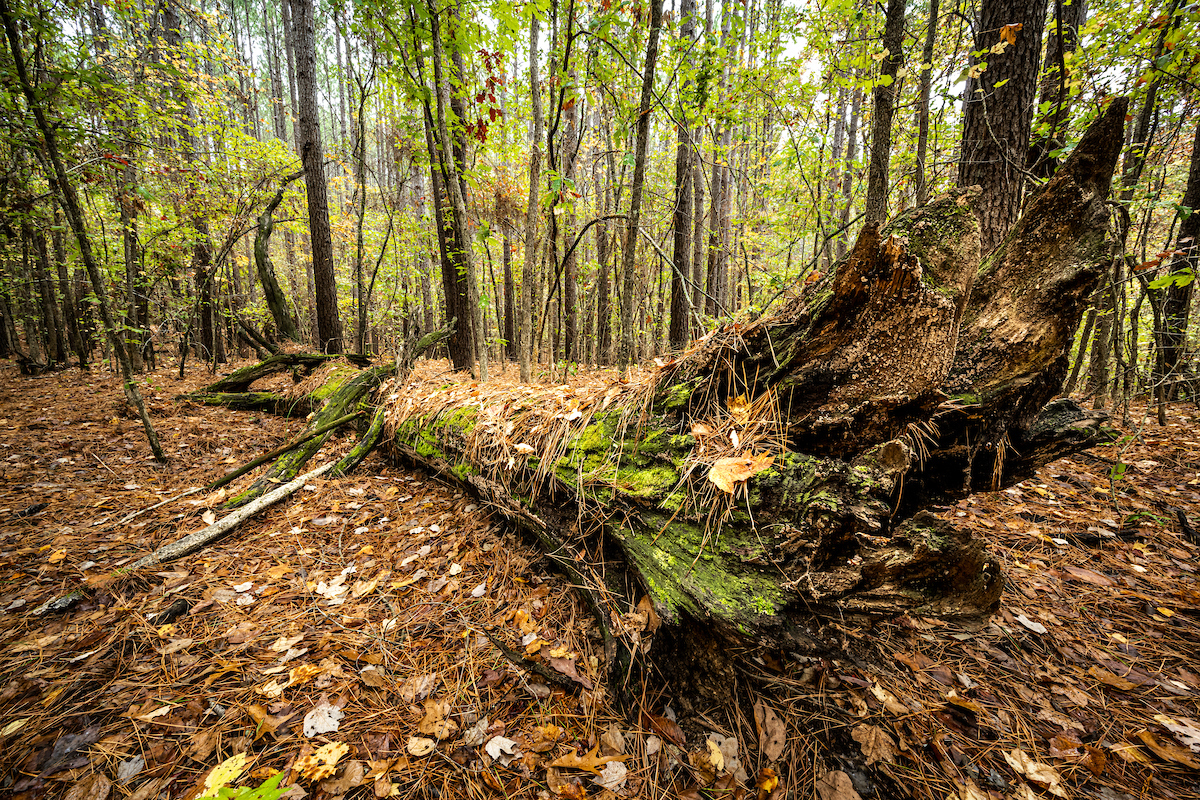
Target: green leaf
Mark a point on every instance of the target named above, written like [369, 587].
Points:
[998, 84]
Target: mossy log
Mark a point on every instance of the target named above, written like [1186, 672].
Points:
[780, 474]
[914, 375]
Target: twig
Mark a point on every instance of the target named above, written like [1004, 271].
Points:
[202, 538]
[130, 517]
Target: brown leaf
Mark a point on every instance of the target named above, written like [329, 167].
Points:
[92, 787]
[876, 745]
[436, 722]
[836, 785]
[418, 687]
[566, 666]
[727, 473]
[666, 728]
[590, 761]
[772, 733]
[646, 606]
[544, 737]
[1167, 751]
[1109, 679]
[1041, 775]
[1087, 575]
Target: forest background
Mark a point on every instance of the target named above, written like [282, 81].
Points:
[575, 183]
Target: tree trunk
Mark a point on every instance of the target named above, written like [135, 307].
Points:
[529, 267]
[276, 301]
[922, 178]
[329, 325]
[1177, 303]
[998, 112]
[886, 91]
[681, 255]
[629, 293]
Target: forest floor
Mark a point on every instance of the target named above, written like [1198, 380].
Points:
[342, 636]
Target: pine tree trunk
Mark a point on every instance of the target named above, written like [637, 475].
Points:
[998, 113]
[886, 91]
[329, 325]
[629, 292]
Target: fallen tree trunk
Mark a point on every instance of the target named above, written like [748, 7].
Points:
[783, 469]
[781, 472]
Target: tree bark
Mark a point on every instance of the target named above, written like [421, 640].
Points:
[529, 267]
[681, 254]
[1177, 303]
[329, 325]
[629, 293]
[998, 111]
[886, 91]
[272, 293]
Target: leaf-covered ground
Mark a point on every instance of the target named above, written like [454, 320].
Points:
[346, 636]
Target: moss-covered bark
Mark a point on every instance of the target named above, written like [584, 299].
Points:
[780, 472]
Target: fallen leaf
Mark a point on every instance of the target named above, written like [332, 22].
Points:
[418, 687]
[566, 666]
[93, 787]
[222, 775]
[889, 700]
[727, 473]
[1036, 627]
[612, 741]
[836, 785]
[264, 721]
[1167, 751]
[1087, 575]
[715, 756]
[772, 733]
[1109, 679]
[1185, 730]
[544, 737]
[666, 728]
[590, 761]
[436, 721]
[1043, 776]
[612, 777]
[373, 677]
[324, 718]
[765, 782]
[420, 746]
[208, 517]
[476, 734]
[352, 775]
[321, 764]
[876, 745]
[56, 556]
[501, 749]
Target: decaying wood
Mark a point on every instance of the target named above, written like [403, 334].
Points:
[779, 474]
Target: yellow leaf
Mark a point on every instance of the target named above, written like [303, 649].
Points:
[57, 556]
[739, 409]
[223, 774]
[319, 765]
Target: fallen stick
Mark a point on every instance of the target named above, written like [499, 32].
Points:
[130, 517]
[202, 538]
